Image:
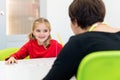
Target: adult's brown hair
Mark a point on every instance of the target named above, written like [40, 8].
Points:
[87, 12]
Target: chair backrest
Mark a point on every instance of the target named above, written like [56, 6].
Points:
[102, 65]
[5, 53]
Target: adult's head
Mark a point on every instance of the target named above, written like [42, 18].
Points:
[86, 12]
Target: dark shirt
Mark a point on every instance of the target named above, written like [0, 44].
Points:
[78, 46]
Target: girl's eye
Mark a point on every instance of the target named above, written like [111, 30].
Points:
[46, 30]
[37, 30]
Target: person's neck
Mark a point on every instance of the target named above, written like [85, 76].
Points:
[40, 43]
[95, 25]
[103, 27]
[92, 28]
[98, 26]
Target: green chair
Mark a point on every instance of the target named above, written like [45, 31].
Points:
[7, 52]
[102, 65]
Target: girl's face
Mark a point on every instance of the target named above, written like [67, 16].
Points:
[41, 33]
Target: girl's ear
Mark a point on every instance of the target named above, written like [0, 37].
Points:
[32, 33]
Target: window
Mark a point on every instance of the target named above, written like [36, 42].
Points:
[20, 15]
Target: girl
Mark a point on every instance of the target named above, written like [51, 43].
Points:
[40, 44]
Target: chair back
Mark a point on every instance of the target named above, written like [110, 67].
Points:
[5, 53]
[102, 65]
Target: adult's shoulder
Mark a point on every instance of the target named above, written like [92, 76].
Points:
[88, 35]
[82, 38]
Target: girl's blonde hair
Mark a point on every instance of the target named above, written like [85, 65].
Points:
[47, 23]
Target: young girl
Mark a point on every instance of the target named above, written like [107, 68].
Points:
[40, 44]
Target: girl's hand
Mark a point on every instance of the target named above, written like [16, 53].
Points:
[11, 60]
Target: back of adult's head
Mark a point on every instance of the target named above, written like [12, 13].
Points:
[87, 12]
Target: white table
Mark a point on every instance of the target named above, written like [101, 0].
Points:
[30, 69]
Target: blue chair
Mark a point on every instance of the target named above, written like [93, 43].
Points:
[102, 65]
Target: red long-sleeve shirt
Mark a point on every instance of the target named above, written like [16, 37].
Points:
[34, 50]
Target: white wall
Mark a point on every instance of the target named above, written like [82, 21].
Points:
[57, 13]
[112, 12]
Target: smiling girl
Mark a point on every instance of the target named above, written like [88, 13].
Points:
[40, 44]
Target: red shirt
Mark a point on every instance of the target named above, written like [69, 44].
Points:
[34, 50]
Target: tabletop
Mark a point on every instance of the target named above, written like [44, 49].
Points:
[26, 69]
